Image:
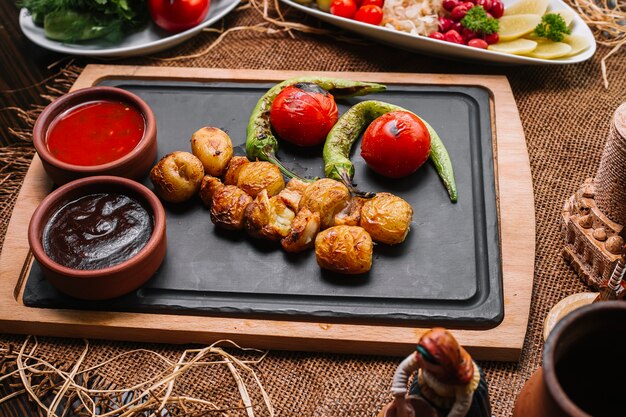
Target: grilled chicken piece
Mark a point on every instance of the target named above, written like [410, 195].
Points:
[386, 218]
[326, 197]
[228, 203]
[297, 185]
[292, 193]
[232, 171]
[257, 176]
[303, 230]
[268, 218]
[351, 213]
[344, 249]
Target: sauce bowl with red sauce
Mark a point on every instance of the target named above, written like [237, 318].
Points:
[100, 237]
[96, 131]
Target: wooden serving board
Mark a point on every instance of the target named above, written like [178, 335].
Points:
[516, 227]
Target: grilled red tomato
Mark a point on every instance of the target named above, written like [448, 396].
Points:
[303, 114]
[178, 15]
[396, 144]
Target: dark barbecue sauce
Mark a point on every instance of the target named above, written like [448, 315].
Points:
[97, 231]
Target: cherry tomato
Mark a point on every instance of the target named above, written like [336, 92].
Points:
[379, 3]
[303, 114]
[369, 14]
[396, 144]
[343, 8]
[178, 15]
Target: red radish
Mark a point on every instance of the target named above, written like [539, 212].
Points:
[453, 36]
[445, 24]
[458, 27]
[468, 34]
[478, 43]
[436, 35]
[485, 3]
[459, 12]
[450, 4]
[497, 9]
[492, 38]
[469, 4]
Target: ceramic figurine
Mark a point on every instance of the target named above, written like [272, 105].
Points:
[446, 381]
[594, 218]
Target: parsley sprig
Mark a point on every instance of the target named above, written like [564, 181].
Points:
[477, 20]
[552, 27]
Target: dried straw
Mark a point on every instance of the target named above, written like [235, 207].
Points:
[607, 20]
[58, 392]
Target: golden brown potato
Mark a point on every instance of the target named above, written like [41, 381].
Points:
[344, 249]
[228, 207]
[208, 188]
[177, 176]
[234, 166]
[303, 230]
[386, 218]
[351, 213]
[268, 218]
[292, 193]
[326, 197]
[257, 176]
[213, 147]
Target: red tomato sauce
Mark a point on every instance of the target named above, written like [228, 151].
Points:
[95, 133]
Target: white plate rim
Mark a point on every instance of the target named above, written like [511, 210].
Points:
[154, 46]
[482, 54]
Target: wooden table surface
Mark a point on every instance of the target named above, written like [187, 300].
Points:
[22, 64]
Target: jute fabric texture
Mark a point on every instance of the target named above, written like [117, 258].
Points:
[566, 113]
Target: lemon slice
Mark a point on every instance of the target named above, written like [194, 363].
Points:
[516, 47]
[566, 14]
[550, 50]
[578, 43]
[537, 7]
[516, 26]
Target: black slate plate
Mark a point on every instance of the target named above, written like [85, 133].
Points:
[447, 272]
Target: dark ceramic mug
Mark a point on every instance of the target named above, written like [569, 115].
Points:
[582, 358]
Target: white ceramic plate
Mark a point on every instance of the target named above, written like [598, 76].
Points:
[147, 41]
[435, 47]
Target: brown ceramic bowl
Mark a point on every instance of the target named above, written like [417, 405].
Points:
[113, 281]
[133, 165]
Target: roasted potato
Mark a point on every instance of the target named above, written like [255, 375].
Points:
[304, 228]
[213, 147]
[268, 218]
[351, 213]
[344, 249]
[234, 166]
[208, 187]
[292, 193]
[326, 197]
[386, 218]
[228, 205]
[257, 176]
[177, 176]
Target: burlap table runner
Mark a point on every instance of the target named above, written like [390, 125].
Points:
[565, 111]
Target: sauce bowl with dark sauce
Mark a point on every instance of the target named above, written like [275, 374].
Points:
[99, 237]
[96, 131]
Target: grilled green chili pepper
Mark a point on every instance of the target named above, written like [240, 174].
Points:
[260, 141]
[352, 123]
